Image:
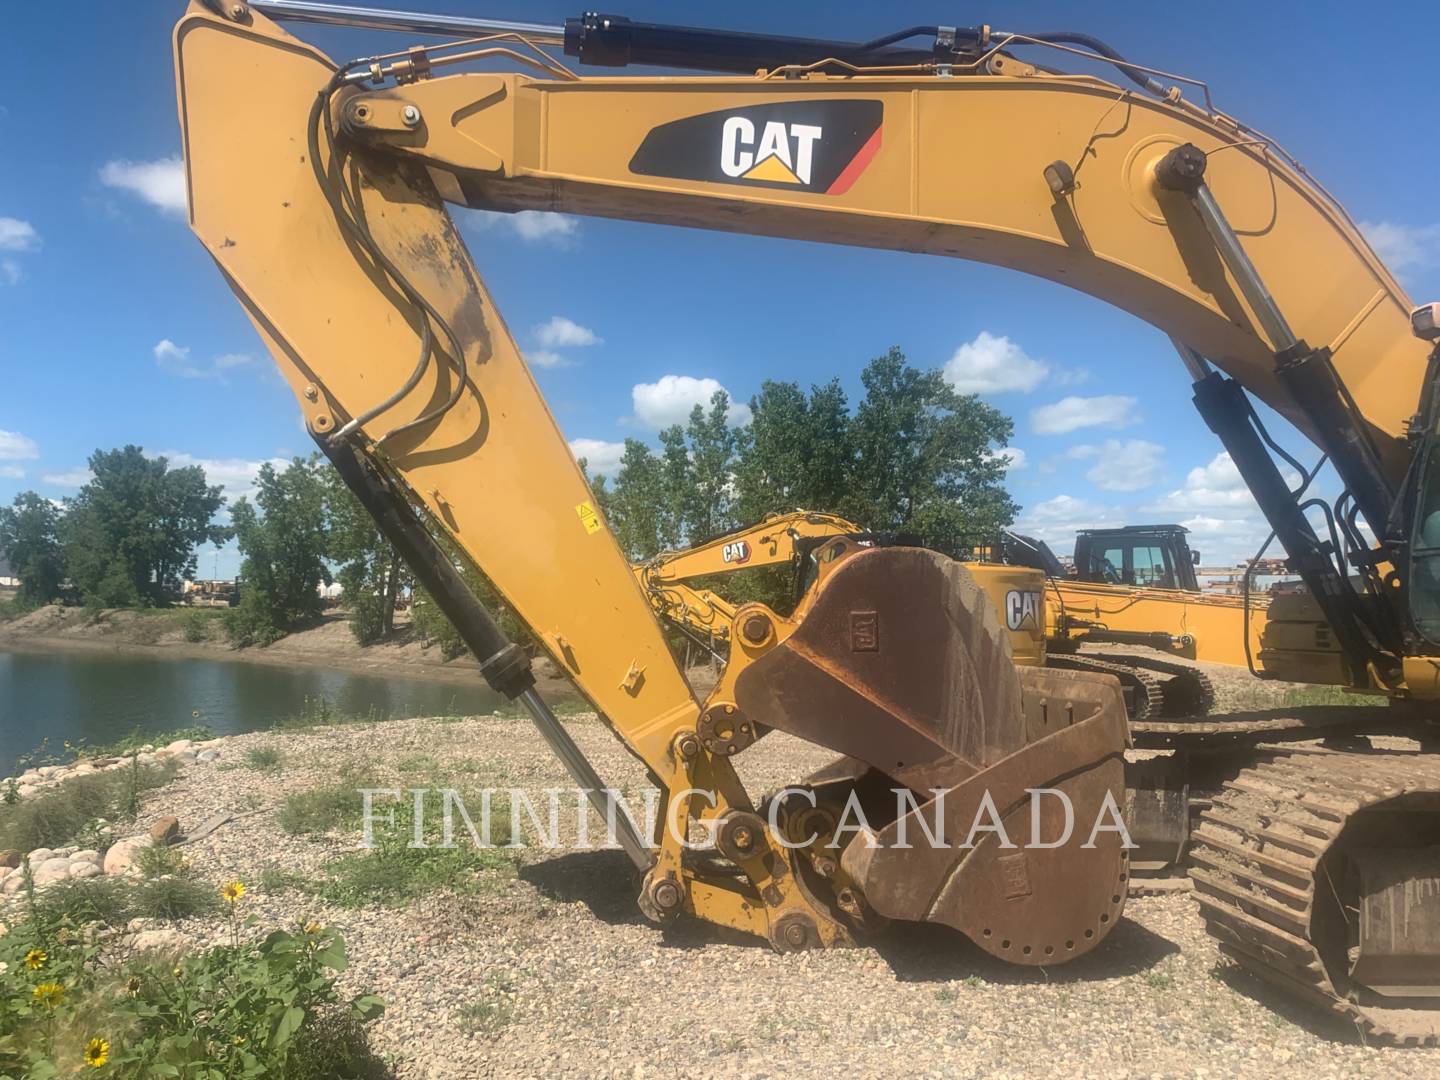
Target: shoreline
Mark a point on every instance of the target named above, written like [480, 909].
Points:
[262, 655]
[327, 646]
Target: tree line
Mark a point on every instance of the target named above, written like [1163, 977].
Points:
[912, 456]
[130, 538]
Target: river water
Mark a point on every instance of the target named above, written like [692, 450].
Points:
[102, 697]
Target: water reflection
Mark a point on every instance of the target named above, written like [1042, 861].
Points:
[100, 698]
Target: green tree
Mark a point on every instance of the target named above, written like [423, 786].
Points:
[130, 535]
[30, 541]
[284, 540]
[636, 504]
[711, 446]
[923, 459]
[370, 570]
[795, 452]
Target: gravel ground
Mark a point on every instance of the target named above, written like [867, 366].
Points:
[566, 978]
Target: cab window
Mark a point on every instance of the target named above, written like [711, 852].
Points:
[1108, 566]
[1149, 567]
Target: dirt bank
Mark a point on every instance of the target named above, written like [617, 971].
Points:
[188, 633]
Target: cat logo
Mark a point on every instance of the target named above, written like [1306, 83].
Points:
[1022, 610]
[737, 551]
[773, 158]
[819, 146]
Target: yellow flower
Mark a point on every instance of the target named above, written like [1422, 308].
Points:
[134, 984]
[50, 995]
[97, 1052]
[313, 928]
[240, 1040]
[232, 891]
[35, 959]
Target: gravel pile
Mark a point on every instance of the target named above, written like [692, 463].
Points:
[555, 973]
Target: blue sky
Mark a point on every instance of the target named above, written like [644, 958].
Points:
[115, 326]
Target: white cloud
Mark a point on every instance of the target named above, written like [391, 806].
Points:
[69, 478]
[1214, 486]
[533, 225]
[236, 476]
[160, 183]
[12, 472]
[560, 333]
[1122, 466]
[601, 458]
[992, 365]
[17, 447]
[670, 400]
[1056, 520]
[539, 225]
[175, 359]
[1013, 456]
[1228, 541]
[1071, 413]
[1403, 247]
[17, 235]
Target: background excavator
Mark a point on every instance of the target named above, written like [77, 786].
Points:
[682, 589]
[320, 190]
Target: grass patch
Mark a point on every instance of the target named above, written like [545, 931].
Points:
[317, 712]
[167, 890]
[566, 708]
[338, 805]
[1261, 697]
[393, 873]
[63, 813]
[264, 758]
[1329, 695]
[1158, 980]
[109, 901]
[493, 1013]
[275, 879]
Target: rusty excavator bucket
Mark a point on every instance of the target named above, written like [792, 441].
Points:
[991, 794]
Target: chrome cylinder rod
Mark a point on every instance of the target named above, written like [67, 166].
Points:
[1243, 270]
[414, 22]
[584, 774]
[1195, 364]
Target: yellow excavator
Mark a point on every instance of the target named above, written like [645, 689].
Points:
[798, 541]
[1025, 596]
[320, 189]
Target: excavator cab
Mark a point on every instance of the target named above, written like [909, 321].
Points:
[1146, 556]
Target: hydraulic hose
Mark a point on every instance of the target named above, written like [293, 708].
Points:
[1094, 44]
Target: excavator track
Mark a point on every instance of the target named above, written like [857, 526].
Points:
[1266, 859]
[1144, 692]
[1298, 724]
[1186, 691]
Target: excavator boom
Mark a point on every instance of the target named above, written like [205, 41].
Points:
[320, 190]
